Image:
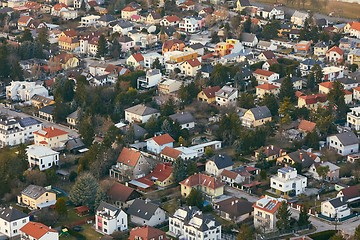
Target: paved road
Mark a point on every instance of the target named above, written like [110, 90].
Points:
[72, 132]
[348, 227]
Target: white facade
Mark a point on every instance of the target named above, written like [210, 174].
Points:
[24, 91]
[353, 118]
[186, 223]
[212, 169]
[332, 73]
[335, 208]
[288, 182]
[187, 153]
[158, 218]
[154, 147]
[89, 20]
[109, 219]
[41, 156]
[200, 149]
[149, 59]
[265, 210]
[139, 113]
[152, 79]
[226, 96]
[298, 18]
[11, 227]
[189, 24]
[333, 142]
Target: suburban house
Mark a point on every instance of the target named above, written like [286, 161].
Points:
[129, 11]
[288, 183]
[43, 157]
[249, 39]
[306, 126]
[190, 221]
[232, 178]
[170, 154]
[266, 88]
[140, 113]
[172, 20]
[320, 49]
[335, 54]
[185, 119]
[158, 143]
[298, 18]
[343, 143]
[200, 148]
[73, 118]
[306, 159]
[131, 164]
[36, 197]
[234, 209]
[353, 118]
[136, 60]
[173, 45]
[307, 65]
[350, 194]
[24, 91]
[190, 67]
[264, 76]
[332, 73]
[270, 152]
[109, 218]
[353, 28]
[191, 24]
[121, 195]
[161, 176]
[303, 47]
[51, 137]
[47, 113]
[208, 94]
[356, 93]
[147, 233]
[256, 116]
[68, 40]
[38, 231]
[206, 184]
[151, 79]
[217, 164]
[226, 96]
[332, 174]
[39, 101]
[354, 57]
[145, 213]
[313, 101]
[11, 221]
[335, 208]
[265, 210]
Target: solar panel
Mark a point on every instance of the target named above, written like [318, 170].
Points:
[271, 205]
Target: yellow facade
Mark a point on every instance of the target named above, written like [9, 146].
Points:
[260, 92]
[203, 98]
[166, 182]
[183, 57]
[250, 120]
[185, 190]
[33, 203]
[354, 59]
[71, 63]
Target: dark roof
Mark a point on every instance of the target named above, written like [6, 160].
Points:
[350, 192]
[107, 18]
[235, 207]
[29, 121]
[47, 109]
[10, 214]
[222, 161]
[122, 193]
[196, 46]
[321, 22]
[193, 212]
[207, 68]
[260, 112]
[293, 79]
[142, 209]
[306, 160]
[245, 3]
[346, 80]
[247, 37]
[183, 117]
[139, 132]
[337, 202]
[103, 206]
[347, 138]
[169, 30]
[311, 62]
[75, 143]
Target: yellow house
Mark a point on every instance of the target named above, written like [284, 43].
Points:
[206, 184]
[68, 40]
[354, 57]
[270, 152]
[153, 18]
[190, 67]
[36, 197]
[39, 101]
[51, 137]
[256, 116]
[266, 88]
[320, 49]
[313, 101]
[184, 56]
[208, 94]
[67, 60]
[128, 12]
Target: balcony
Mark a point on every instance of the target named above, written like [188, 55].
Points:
[262, 218]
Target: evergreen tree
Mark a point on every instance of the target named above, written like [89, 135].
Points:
[156, 64]
[287, 90]
[283, 217]
[312, 140]
[86, 130]
[311, 81]
[101, 196]
[195, 198]
[26, 36]
[115, 48]
[102, 47]
[179, 170]
[246, 100]
[271, 102]
[16, 73]
[60, 206]
[43, 37]
[336, 98]
[337, 236]
[245, 233]
[247, 25]
[304, 217]
[357, 233]
[316, 70]
[84, 190]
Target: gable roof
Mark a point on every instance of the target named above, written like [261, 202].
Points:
[229, 174]
[203, 180]
[306, 125]
[194, 62]
[267, 205]
[142, 209]
[263, 72]
[50, 132]
[36, 230]
[171, 152]
[267, 86]
[172, 18]
[210, 91]
[337, 202]
[270, 150]
[11, 214]
[269, 54]
[170, 43]
[235, 207]
[222, 161]
[162, 139]
[146, 233]
[138, 57]
[129, 156]
[142, 110]
[47, 109]
[350, 192]
[347, 138]
[183, 117]
[260, 112]
[161, 172]
[314, 98]
[247, 37]
[302, 157]
[335, 49]
[33, 191]
[122, 193]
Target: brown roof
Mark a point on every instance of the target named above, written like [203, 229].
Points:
[50, 132]
[173, 18]
[263, 72]
[203, 180]
[70, 33]
[129, 156]
[170, 43]
[194, 62]
[326, 84]
[210, 91]
[170, 152]
[24, 19]
[120, 192]
[350, 192]
[163, 139]
[314, 98]
[36, 230]
[307, 126]
[235, 207]
[270, 150]
[138, 57]
[229, 174]
[269, 54]
[146, 233]
[267, 86]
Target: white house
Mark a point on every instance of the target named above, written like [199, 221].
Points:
[343, 143]
[140, 113]
[226, 96]
[335, 208]
[332, 73]
[43, 157]
[274, 13]
[122, 26]
[88, 21]
[11, 220]
[151, 79]
[200, 148]
[353, 118]
[249, 39]
[38, 231]
[109, 218]
[149, 59]
[265, 210]
[190, 24]
[145, 213]
[332, 174]
[217, 164]
[287, 182]
[190, 221]
[298, 18]
[158, 143]
[264, 76]
[126, 43]
[24, 91]
[185, 119]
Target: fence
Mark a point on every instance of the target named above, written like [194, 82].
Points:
[278, 234]
[337, 220]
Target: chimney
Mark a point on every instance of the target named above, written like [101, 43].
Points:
[301, 156]
[232, 203]
[341, 199]
[272, 147]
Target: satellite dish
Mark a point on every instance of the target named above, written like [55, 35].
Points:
[151, 29]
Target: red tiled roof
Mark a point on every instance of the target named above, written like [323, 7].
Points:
[173, 18]
[357, 88]
[50, 132]
[129, 156]
[267, 86]
[138, 57]
[146, 233]
[203, 180]
[314, 98]
[59, 6]
[36, 230]
[336, 49]
[307, 126]
[355, 26]
[229, 174]
[194, 62]
[326, 84]
[163, 139]
[70, 33]
[350, 192]
[161, 172]
[210, 91]
[170, 152]
[168, 44]
[347, 92]
[271, 210]
[129, 9]
[298, 93]
[263, 72]
[24, 19]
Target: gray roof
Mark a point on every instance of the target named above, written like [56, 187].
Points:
[75, 143]
[47, 109]
[106, 206]
[245, 3]
[107, 18]
[346, 80]
[122, 24]
[235, 207]
[196, 46]
[306, 160]
[260, 112]
[11, 214]
[29, 121]
[247, 37]
[222, 161]
[347, 138]
[193, 212]
[142, 209]
[183, 117]
[34, 191]
[337, 202]
[321, 45]
[74, 115]
[139, 131]
[142, 110]
[125, 39]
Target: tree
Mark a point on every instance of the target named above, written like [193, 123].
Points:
[60, 206]
[43, 37]
[246, 100]
[101, 196]
[353, 67]
[271, 102]
[283, 217]
[27, 36]
[84, 190]
[187, 93]
[214, 37]
[247, 25]
[322, 171]
[115, 48]
[168, 108]
[316, 70]
[286, 107]
[312, 140]
[245, 233]
[304, 217]
[357, 233]
[102, 47]
[337, 236]
[179, 170]
[287, 90]
[195, 198]
[86, 130]
[311, 81]
[336, 98]
[156, 64]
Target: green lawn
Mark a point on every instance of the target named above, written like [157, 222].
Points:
[89, 232]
